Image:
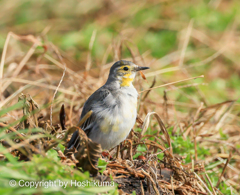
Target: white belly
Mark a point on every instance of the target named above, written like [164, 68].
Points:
[117, 123]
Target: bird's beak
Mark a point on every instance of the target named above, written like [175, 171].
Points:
[138, 68]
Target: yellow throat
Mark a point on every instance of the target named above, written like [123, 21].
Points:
[126, 80]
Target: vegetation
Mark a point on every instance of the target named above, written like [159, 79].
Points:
[59, 52]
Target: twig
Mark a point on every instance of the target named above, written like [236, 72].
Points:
[186, 86]
[12, 129]
[185, 43]
[3, 58]
[152, 85]
[30, 38]
[224, 116]
[209, 180]
[89, 60]
[195, 131]
[162, 127]
[23, 143]
[208, 59]
[229, 166]
[157, 72]
[36, 83]
[152, 181]
[105, 55]
[13, 95]
[203, 183]
[142, 190]
[172, 185]
[21, 64]
[68, 70]
[63, 74]
[224, 169]
[172, 83]
[201, 63]
[129, 173]
[130, 149]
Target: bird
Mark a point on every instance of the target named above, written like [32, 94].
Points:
[113, 106]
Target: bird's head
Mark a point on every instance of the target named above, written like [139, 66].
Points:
[124, 72]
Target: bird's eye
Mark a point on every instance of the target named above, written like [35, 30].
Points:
[125, 68]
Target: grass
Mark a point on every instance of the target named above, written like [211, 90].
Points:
[151, 33]
[47, 169]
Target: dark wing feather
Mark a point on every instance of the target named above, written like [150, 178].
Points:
[98, 95]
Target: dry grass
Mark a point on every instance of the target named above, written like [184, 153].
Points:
[32, 65]
[72, 89]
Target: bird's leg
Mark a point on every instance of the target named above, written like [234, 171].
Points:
[118, 151]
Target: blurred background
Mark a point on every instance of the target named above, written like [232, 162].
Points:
[188, 37]
[176, 39]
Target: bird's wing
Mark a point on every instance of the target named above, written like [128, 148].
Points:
[97, 96]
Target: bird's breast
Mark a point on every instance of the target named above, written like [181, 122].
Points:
[122, 116]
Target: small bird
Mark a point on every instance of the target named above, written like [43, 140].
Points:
[114, 108]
